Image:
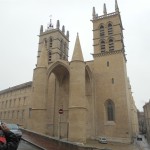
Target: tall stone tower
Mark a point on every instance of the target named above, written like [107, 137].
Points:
[48, 79]
[111, 83]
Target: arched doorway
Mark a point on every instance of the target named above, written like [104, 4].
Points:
[57, 98]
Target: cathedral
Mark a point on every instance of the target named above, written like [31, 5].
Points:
[77, 100]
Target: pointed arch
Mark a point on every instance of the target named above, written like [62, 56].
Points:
[110, 110]
[58, 67]
[58, 97]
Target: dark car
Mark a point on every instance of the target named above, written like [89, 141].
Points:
[15, 129]
[139, 138]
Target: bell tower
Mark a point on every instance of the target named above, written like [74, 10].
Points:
[107, 32]
[110, 75]
[53, 46]
[56, 42]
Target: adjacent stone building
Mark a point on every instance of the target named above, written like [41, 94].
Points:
[147, 119]
[142, 123]
[77, 99]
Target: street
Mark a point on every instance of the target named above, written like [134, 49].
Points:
[23, 145]
[142, 145]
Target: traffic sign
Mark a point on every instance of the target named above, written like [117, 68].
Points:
[61, 111]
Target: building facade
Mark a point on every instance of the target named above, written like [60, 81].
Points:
[142, 123]
[147, 119]
[77, 99]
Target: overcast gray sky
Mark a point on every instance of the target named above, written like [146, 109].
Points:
[20, 22]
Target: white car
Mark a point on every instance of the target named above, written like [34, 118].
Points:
[102, 140]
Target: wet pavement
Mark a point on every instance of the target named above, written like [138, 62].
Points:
[112, 146]
[23, 145]
[142, 145]
[137, 145]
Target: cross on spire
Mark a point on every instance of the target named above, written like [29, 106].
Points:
[50, 25]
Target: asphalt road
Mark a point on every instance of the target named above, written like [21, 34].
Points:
[23, 145]
[143, 145]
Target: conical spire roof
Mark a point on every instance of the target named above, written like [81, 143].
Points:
[77, 54]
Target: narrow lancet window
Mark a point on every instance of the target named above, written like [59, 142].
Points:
[111, 45]
[110, 29]
[50, 49]
[61, 49]
[102, 32]
[102, 46]
[50, 42]
[110, 108]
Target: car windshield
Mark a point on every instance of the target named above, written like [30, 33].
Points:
[12, 126]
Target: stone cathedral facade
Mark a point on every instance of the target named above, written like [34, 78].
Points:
[77, 100]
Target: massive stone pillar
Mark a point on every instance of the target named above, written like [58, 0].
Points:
[77, 104]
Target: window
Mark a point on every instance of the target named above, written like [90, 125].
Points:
[6, 104]
[18, 114]
[49, 56]
[19, 102]
[102, 46]
[112, 80]
[24, 101]
[65, 47]
[111, 45]
[110, 110]
[45, 42]
[14, 102]
[2, 104]
[107, 63]
[61, 48]
[10, 104]
[22, 114]
[12, 114]
[50, 49]
[50, 42]
[102, 32]
[110, 29]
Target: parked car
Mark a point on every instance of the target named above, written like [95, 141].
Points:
[139, 138]
[102, 140]
[15, 129]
